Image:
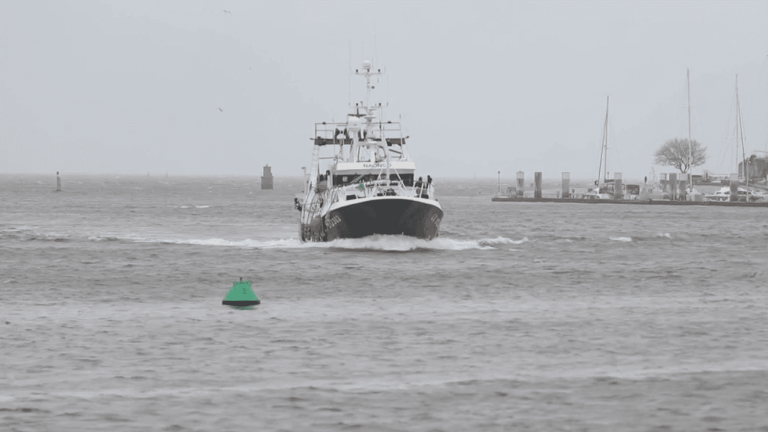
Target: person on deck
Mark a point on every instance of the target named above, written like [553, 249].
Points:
[419, 186]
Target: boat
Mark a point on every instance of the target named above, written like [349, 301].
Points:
[362, 181]
[605, 188]
[743, 195]
[723, 194]
[750, 192]
[652, 189]
[509, 192]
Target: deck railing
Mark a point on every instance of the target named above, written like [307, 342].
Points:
[380, 188]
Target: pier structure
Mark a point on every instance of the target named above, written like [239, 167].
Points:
[673, 186]
[266, 178]
[617, 190]
[566, 189]
[666, 189]
[734, 187]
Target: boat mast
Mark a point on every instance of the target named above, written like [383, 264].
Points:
[370, 110]
[690, 143]
[740, 134]
[604, 148]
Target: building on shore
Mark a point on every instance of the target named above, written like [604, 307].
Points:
[757, 167]
[266, 178]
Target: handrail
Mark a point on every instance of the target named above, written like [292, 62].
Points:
[375, 187]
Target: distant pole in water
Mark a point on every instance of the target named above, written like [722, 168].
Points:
[566, 185]
[617, 192]
[58, 182]
[499, 181]
[520, 183]
[537, 181]
[734, 187]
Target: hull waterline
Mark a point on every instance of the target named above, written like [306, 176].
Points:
[393, 216]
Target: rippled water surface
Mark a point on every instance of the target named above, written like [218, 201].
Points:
[520, 316]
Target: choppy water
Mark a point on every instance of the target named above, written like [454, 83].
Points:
[521, 316]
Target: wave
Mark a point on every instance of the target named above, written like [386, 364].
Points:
[657, 237]
[375, 242]
[621, 239]
[247, 243]
[403, 243]
[103, 238]
[28, 234]
[503, 240]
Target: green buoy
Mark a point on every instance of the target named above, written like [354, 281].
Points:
[241, 294]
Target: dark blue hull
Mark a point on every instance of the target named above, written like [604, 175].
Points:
[418, 218]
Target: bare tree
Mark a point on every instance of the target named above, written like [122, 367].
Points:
[675, 153]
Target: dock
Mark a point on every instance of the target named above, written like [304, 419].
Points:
[633, 202]
[669, 191]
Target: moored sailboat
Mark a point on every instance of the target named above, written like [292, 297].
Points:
[604, 187]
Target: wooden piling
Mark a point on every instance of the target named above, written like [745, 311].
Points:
[683, 186]
[520, 183]
[58, 182]
[566, 188]
[734, 187]
[673, 186]
[537, 186]
[618, 193]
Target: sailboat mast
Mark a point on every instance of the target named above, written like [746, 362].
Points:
[740, 134]
[605, 134]
[690, 143]
[604, 148]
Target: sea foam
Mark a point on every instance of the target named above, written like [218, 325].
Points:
[374, 242]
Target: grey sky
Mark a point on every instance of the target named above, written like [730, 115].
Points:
[185, 87]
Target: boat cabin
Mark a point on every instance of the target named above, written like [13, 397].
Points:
[359, 156]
